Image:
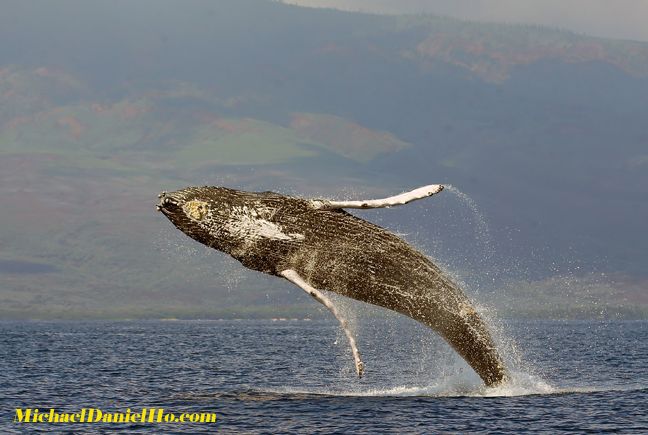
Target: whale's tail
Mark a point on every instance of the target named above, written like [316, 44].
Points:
[464, 329]
[471, 339]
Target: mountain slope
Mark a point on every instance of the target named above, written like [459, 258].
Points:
[104, 104]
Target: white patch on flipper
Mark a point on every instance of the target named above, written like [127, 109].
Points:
[402, 199]
[247, 223]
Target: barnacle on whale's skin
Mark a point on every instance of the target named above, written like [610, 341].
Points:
[196, 210]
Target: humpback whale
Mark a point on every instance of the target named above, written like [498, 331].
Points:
[317, 245]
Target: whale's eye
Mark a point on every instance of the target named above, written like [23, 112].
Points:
[195, 209]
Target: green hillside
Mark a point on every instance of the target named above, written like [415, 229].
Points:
[544, 129]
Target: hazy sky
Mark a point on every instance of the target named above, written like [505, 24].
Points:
[625, 19]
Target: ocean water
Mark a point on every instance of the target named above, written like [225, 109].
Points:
[297, 376]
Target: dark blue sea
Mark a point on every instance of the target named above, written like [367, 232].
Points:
[297, 376]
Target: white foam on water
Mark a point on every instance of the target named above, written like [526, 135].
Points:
[521, 384]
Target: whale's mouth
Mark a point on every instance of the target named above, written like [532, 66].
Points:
[168, 202]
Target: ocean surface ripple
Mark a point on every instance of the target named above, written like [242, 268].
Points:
[262, 376]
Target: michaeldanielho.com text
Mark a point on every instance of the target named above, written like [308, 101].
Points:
[95, 415]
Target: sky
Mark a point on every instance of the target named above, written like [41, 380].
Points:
[619, 19]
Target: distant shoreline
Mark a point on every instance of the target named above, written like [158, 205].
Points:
[640, 313]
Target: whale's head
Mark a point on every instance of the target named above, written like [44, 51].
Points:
[199, 212]
[229, 220]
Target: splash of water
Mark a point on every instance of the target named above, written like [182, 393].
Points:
[506, 345]
[176, 247]
[453, 381]
[482, 231]
[521, 384]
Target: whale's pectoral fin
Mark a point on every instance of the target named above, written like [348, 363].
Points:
[294, 277]
[403, 198]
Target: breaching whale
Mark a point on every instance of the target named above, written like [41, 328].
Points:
[317, 245]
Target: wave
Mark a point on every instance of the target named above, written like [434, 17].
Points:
[522, 384]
